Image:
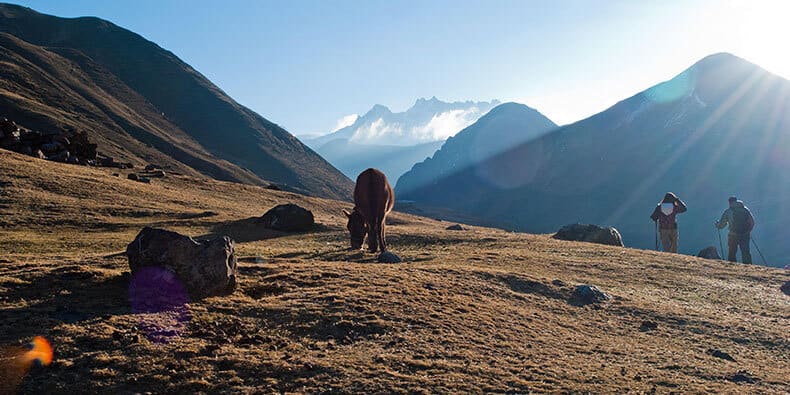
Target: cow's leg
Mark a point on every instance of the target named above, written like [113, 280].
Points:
[383, 235]
[373, 236]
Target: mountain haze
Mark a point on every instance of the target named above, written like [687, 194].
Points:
[143, 104]
[394, 160]
[394, 142]
[426, 121]
[720, 128]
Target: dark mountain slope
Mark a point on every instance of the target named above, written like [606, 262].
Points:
[177, 109]
[504, 127]
[721, 127]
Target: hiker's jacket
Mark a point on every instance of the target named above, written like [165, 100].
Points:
[738, 218]
[668, 221]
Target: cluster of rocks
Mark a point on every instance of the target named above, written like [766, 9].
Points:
[151, 171]
[65, 146]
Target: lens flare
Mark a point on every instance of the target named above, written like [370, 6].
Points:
[160, 303]
[40, 352]
[16, 361]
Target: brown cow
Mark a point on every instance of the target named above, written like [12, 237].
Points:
[373, 200]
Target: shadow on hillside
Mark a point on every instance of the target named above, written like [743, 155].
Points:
[68, 294]
[250, 229]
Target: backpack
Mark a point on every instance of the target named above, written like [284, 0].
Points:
[740, 220]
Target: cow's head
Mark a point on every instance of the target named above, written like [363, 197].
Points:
[357, 227]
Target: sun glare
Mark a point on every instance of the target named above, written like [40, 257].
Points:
[762, 34]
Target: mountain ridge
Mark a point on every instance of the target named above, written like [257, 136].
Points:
[718, 128]
[506, 125]
[249, 147]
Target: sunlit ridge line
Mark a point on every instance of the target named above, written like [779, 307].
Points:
[691, 140]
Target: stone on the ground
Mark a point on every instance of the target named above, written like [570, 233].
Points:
[720, 354]
[388, 257]
[590, 233]
[648, 326]
[709, 253]
[588, 294]
[743, 376]
[205, 267]
[785, 288]
[289, 218]
[455, 227]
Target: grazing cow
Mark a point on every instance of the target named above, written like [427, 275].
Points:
[373, 200]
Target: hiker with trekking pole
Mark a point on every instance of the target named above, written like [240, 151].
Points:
[740, 222]
[666, 224]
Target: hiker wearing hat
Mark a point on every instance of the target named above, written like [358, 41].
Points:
[741, 222]
[664, 215]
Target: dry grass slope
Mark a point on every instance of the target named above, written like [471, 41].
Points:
[468, 311]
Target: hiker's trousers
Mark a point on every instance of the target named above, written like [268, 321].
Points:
[734, 241]
[669, 239]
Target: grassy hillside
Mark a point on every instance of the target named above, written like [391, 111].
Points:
[481, 310]
[143, 104]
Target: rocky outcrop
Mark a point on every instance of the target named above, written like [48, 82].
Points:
[68, 146]
[590, 234]
[205, 267]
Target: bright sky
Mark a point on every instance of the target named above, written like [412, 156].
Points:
[307, 64]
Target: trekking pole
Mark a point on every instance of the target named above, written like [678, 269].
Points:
[721, 246]
[656, 232]
[758, 251]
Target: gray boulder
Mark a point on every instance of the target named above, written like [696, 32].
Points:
[455, 227]
[785, 288]
[206, 267]
[588, 294]
[709, 253]
[288, 218]
[590, 233]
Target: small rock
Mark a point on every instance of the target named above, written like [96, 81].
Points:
[742, 376]
[648, 326]
[388, 257]
[785, 288]
[588, 294]
[559, 283]
[721, 354]
[709, 253]
[274, 187]
[455, 227]
[133, 176]
[152, 167]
